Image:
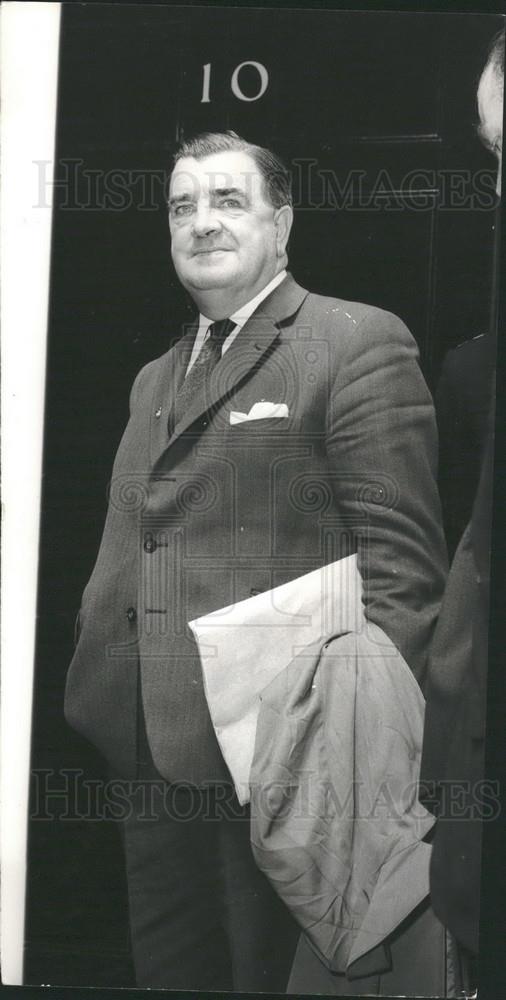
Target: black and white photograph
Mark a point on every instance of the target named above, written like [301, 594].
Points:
[250, 299]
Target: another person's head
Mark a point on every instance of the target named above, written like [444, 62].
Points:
[490, 100]
[230, 215]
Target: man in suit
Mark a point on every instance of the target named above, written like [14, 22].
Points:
[282, 432]
[454, 737]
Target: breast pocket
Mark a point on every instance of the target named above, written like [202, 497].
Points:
[262, 425]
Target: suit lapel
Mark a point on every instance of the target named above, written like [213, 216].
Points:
[251, 343]
[249, 347]
[171, 375]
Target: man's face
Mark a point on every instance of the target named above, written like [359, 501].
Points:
[490, 107]
[225, 233]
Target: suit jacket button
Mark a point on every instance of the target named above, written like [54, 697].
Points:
[131, 614]
[149, 544]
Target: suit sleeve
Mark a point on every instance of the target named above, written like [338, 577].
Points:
[382, 442]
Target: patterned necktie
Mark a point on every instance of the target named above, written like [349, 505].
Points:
[195, 382]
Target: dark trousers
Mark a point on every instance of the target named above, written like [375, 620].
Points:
[202, 917]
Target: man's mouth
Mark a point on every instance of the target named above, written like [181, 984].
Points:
[210, 250]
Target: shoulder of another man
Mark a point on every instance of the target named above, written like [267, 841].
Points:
[467, 352]
[468, 364]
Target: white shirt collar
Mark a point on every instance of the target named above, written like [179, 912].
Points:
[243, 314]
[240, 317]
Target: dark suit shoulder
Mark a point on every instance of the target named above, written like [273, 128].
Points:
[464, 389]
[468, 366]
[346, 319]
[146, 377]
[340, 310]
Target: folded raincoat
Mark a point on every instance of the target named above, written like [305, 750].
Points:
[336, 825]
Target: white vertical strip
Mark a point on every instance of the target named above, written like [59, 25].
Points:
[29, 65]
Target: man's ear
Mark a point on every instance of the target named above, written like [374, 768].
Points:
[283, 219]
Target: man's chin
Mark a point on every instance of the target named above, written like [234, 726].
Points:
[208, 274]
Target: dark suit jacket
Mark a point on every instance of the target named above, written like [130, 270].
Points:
[213, 512]
[462, 409]
[454, 739]
[453, 757]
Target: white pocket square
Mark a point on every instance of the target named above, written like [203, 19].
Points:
[259, 411]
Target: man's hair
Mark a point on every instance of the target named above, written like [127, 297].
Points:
[276, 177]
[496, 55]
[495, 66]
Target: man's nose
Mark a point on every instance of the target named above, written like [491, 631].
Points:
[205, 221]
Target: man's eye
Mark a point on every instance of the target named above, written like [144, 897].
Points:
[231, 203]
[184, 209]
